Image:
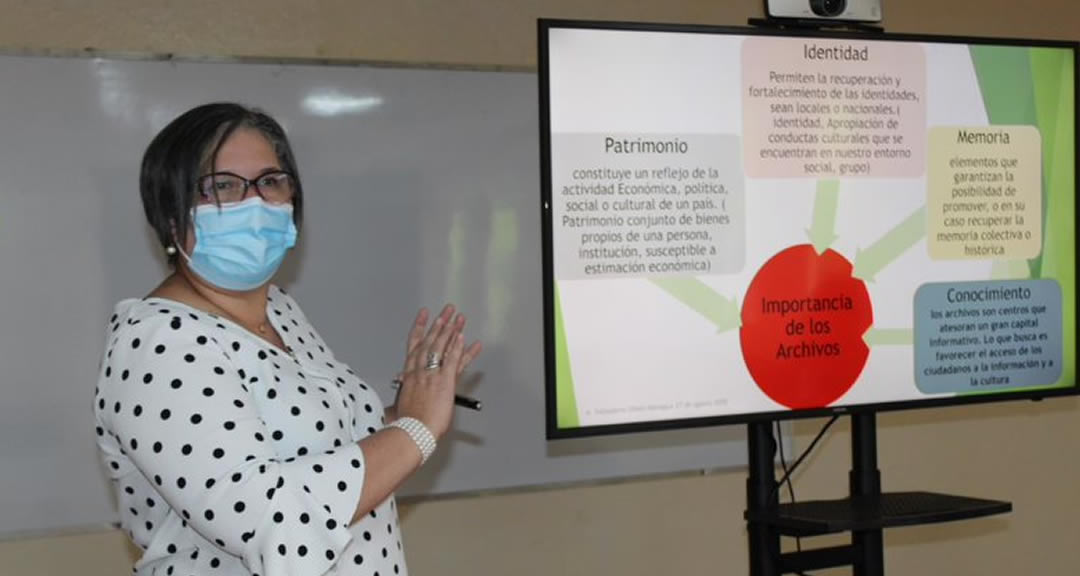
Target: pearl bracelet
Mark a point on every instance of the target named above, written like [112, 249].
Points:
[419, 433]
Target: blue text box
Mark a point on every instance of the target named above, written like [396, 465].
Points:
[986, 336]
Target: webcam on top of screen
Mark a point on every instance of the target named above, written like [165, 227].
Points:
[841, 10]
[854, 15]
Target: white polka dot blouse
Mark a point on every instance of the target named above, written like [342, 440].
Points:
[230, 456]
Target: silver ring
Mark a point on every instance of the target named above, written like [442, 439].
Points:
[433, 361]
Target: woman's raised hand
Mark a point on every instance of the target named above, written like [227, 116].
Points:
[435, 358]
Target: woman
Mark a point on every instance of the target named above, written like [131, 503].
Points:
[237, 443]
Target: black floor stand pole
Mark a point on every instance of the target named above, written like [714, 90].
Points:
[865, 554]
[761, 497]
[865, 512]
[865, 482]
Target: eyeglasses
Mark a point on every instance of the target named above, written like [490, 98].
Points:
[276, 187]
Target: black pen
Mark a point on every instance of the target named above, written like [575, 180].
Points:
[463, 401]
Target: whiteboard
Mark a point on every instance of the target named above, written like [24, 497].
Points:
[425, 190]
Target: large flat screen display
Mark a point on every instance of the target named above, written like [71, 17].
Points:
[742, 224]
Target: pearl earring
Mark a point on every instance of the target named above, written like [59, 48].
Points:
[170, 250]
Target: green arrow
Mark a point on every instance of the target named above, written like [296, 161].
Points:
[720, 310]
[889, 337]
[1010, 270]
[889, 247]
[822, 231]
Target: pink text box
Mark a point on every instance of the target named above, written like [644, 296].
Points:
[826, 108]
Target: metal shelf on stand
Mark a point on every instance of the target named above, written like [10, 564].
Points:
[865, 513]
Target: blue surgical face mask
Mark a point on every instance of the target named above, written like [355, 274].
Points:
[240, 246]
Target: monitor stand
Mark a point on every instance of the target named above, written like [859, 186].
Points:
[865, 513]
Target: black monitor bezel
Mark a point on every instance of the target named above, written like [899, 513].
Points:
[552, 430]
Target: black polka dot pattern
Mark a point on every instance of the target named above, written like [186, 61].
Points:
[223, 451]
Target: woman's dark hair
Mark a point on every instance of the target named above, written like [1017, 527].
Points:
[185, 150]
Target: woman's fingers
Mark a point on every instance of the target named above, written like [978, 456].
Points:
[418, 358]
[468, 355]
[445, 338]
[411, 359]
[416, 333]
[454, 350]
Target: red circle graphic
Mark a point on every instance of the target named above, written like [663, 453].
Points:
[803, 320]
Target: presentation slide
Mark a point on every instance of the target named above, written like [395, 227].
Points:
[749, 224]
